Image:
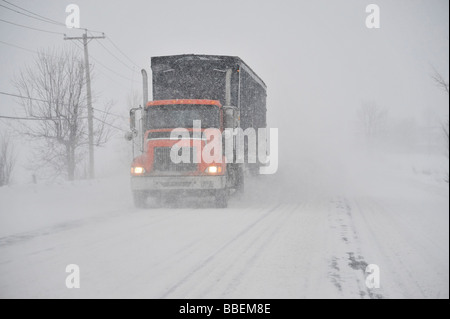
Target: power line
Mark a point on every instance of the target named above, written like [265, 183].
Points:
[22, 97]
[35, 118]
[31, 28]
[36, 52]
[18, 47]
[108, 76]
[47, 19]
[59, 33]
[40, 100]
[53, 119]
[30, 16]
[118, 49]
[50, 55]
[40, 16]
[113, 55]
[109, 124]
[109, 69]
[29, 50]
[25, 118]
[109, 113]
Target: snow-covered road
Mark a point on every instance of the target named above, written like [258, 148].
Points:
[301, 246]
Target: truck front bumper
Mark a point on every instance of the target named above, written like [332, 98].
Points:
[161, 183]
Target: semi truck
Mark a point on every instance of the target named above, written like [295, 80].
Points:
[194, 93]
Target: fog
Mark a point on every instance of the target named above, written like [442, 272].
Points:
[319, 60]
[321, 65]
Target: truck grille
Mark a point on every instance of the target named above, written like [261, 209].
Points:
[163, 163]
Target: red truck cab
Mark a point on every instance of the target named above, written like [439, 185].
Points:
[154, 172]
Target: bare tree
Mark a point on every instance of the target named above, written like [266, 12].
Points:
[443, 84]
[440, 81]
[53, 92]
[445, 130]
[372, 119]
[7, 159]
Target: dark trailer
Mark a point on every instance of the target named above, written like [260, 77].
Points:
[224, 78]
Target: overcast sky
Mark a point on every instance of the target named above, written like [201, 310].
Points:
[318, 59]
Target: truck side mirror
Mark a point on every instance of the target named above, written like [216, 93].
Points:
[133, 119]
[129, 136]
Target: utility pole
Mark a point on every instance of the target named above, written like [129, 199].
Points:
[86, 39]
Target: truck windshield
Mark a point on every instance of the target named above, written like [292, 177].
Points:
[173, 116]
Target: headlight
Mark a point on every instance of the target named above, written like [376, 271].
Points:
[137, 170]
[213, 170]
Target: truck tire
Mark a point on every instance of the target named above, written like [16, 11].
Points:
[140, 199]
[221, 199]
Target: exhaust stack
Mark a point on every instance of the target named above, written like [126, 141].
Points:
[144, 104]
[145, 88]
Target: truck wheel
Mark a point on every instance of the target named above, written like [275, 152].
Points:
[221, 199]
[140, 199]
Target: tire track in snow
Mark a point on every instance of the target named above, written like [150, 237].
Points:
[394, 254]
[227, 271]
[65, 226]
[271, 230]
[347, 265]
[212, 256]
[185, 250]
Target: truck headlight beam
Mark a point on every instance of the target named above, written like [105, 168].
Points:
[137, 170]
[213, 170]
